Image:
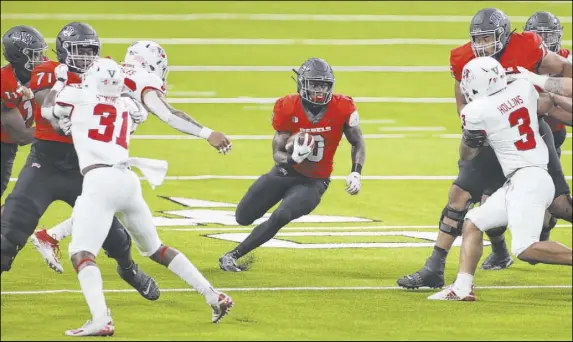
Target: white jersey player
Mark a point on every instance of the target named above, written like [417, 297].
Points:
[505, 116]
[146, 69]
[100, 118]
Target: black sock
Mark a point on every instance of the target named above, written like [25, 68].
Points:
[437, 261]
[498, 245]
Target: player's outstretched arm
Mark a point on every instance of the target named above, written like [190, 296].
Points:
[157, 104]
[554, 64]
[556, 85]
[280, 154]
[558, 107]
[358, 154]
[48, 103]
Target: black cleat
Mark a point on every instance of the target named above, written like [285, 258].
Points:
[140, 281]
[497, 261]
[424, 277]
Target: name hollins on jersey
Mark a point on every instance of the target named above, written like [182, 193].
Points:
[510, 104]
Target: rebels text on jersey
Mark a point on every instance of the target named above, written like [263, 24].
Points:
[100, 125]
[289, 116]
[137, 80]
[509, 120]
[11, 99]
[524, 49]
[43, 77]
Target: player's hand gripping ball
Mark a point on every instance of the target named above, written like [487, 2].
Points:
[300, 146]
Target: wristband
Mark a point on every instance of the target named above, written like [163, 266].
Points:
[205, 133]
[356, 167]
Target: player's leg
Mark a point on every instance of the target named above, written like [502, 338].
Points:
[531, 195]
[300, 199]
[92, 216]
[261, 196]
[559, 138]
[561, 207]
[139, 220]
[490, 215]
[7, 156]
[24, 206]
[466, 190]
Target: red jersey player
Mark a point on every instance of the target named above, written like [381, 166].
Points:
[316, 118]
[23, 48]
[548, 26]
[491, 35]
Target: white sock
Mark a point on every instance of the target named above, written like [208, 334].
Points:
[464, 282]
[62, 230]
[92, 287]
[181, 266]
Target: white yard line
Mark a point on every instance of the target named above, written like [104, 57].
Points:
[278, 68]
[302, 288]
[290, 41]
[254, 17]
[272, 100]
[412, 129]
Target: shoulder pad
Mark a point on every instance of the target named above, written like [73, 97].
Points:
[137, 80]
[281, 112]
[459, 57]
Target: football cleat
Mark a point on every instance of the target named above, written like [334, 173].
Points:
[100, 327]
[140, 281]
[228, 263]
[422, 278]
[49, 248]
[497, 261]
[222, 308]
[451, 293]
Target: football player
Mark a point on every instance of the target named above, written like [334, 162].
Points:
[51, 171]
[548, 26]
[316, 118]
[505, 116]
[146, 69]
[109, 187]
[491, 35]
[23, 48]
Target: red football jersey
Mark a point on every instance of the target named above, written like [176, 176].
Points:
[525, 49]
[43, 77]
[289, 116]
[11, 99]
[564, 53]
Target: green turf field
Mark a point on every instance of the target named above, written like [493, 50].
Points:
[296, 292]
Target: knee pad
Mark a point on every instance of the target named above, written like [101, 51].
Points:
[117, 244]
[9, 250]
[455, 215]
[496, 232]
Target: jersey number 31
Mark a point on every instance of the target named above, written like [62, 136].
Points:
[108, 116]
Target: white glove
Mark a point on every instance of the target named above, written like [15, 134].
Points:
[65, 125]
[137, 112]
[353, 183]
[61, 73]
[27, 94]
[524, 74]
[301, 152]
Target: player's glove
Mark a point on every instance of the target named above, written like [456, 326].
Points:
[65, 125]
[524, 74]
[138, 113]
[61, 73]
[302, 151]
[26, 93]
[353, 183]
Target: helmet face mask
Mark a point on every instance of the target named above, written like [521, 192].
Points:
[35, 56]
[488, 43]
[81, 55]
[548, 27]
[78, 46]
[490, 30]
[315, 81]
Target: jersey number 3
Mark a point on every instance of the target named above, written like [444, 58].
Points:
[108, 116]
[524, 127]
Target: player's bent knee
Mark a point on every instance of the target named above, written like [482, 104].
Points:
[164, 255]
[9, 250]
[456, 216]
[495, 232]
[82, 259]
[243, 218]
[520, 248]
[117, 244]
[561, 207]
[458, 198]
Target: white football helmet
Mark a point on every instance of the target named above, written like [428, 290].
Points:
[150, 56]
[104, 77]
[481, 77]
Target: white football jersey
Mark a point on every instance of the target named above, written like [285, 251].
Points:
[509, 119]
[100, 125]
[138, 79]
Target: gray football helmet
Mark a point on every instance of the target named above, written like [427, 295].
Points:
[315, 81]
[548, 27]
[490, 30]
[77, 46]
